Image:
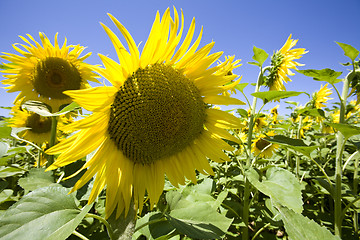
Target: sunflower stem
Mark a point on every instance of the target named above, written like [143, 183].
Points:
[50, 158]
[123, 227]
[297, 156]
[107, 225]
[247, 189]
[355, 190]
[338, 162]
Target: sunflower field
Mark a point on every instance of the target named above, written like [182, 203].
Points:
[140, 147]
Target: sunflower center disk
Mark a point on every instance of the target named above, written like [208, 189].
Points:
[38, 124]
[156, 113]
[262, 144]
[54, 75]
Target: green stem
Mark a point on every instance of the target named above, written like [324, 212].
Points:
[79, 235]
[338, 162]
[297, 156]
[246, 208]
[260, 230]
[38, 159]
[355, 190]
[102, 220]
[124, 226]
[50, 158]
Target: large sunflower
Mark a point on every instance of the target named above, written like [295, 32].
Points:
[282, 61]
[43, 72]
[155, 119]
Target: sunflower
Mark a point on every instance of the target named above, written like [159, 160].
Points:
[154, 120]
[235, 65]
[322, 96]
[281, 63]
[262, 147]
[274, 114]
[43, 72]
[39, 127]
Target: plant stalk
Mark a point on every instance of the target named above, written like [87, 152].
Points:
[246, 209]
[50, 158]
[338, 162]
[123, 227]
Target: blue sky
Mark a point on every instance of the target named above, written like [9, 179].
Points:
[235, 26]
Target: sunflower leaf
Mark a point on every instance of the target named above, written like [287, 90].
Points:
[260, 56]
[43, 110]
[241, 86]
[280, 185]
[275, 95]
[37, 178]
[3, 148]
[326, 75]
[10, 171]
[37, 107]
[45, 213]
[194, 212]
[299, 227]
[159, 228]
[346, 129]
[295, 144]
[5, 130]
[349, 50]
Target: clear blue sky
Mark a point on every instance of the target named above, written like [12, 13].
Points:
[235, 26]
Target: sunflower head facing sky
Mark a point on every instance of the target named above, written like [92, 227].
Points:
[156, 117]
[43, 71]
[281, 63]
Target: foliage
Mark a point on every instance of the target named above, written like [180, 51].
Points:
[288, 194]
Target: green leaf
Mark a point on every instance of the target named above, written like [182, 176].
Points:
[68, 228]
[196, 224]
[3, 148]
[280, 185]
[241, 86]
[37, 178]
[194, 212]
[10, 171]
[314, 112]
[155, 230]
[275, 95]
[299, 227]
[37, 107]
[43, 110]
[295, 144]
[346, 129]
[71, 107]
[326, 75]
[43, 213]
[7, 195]
[349, 50]
[5, 131]
[260, 55]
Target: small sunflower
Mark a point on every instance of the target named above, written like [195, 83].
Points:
[262, 147]
[306, 125]
[233, 65]
[281, 62]
[274, 114]
[43, 72]
[322, 96]
[39, 131]
[154, 120]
